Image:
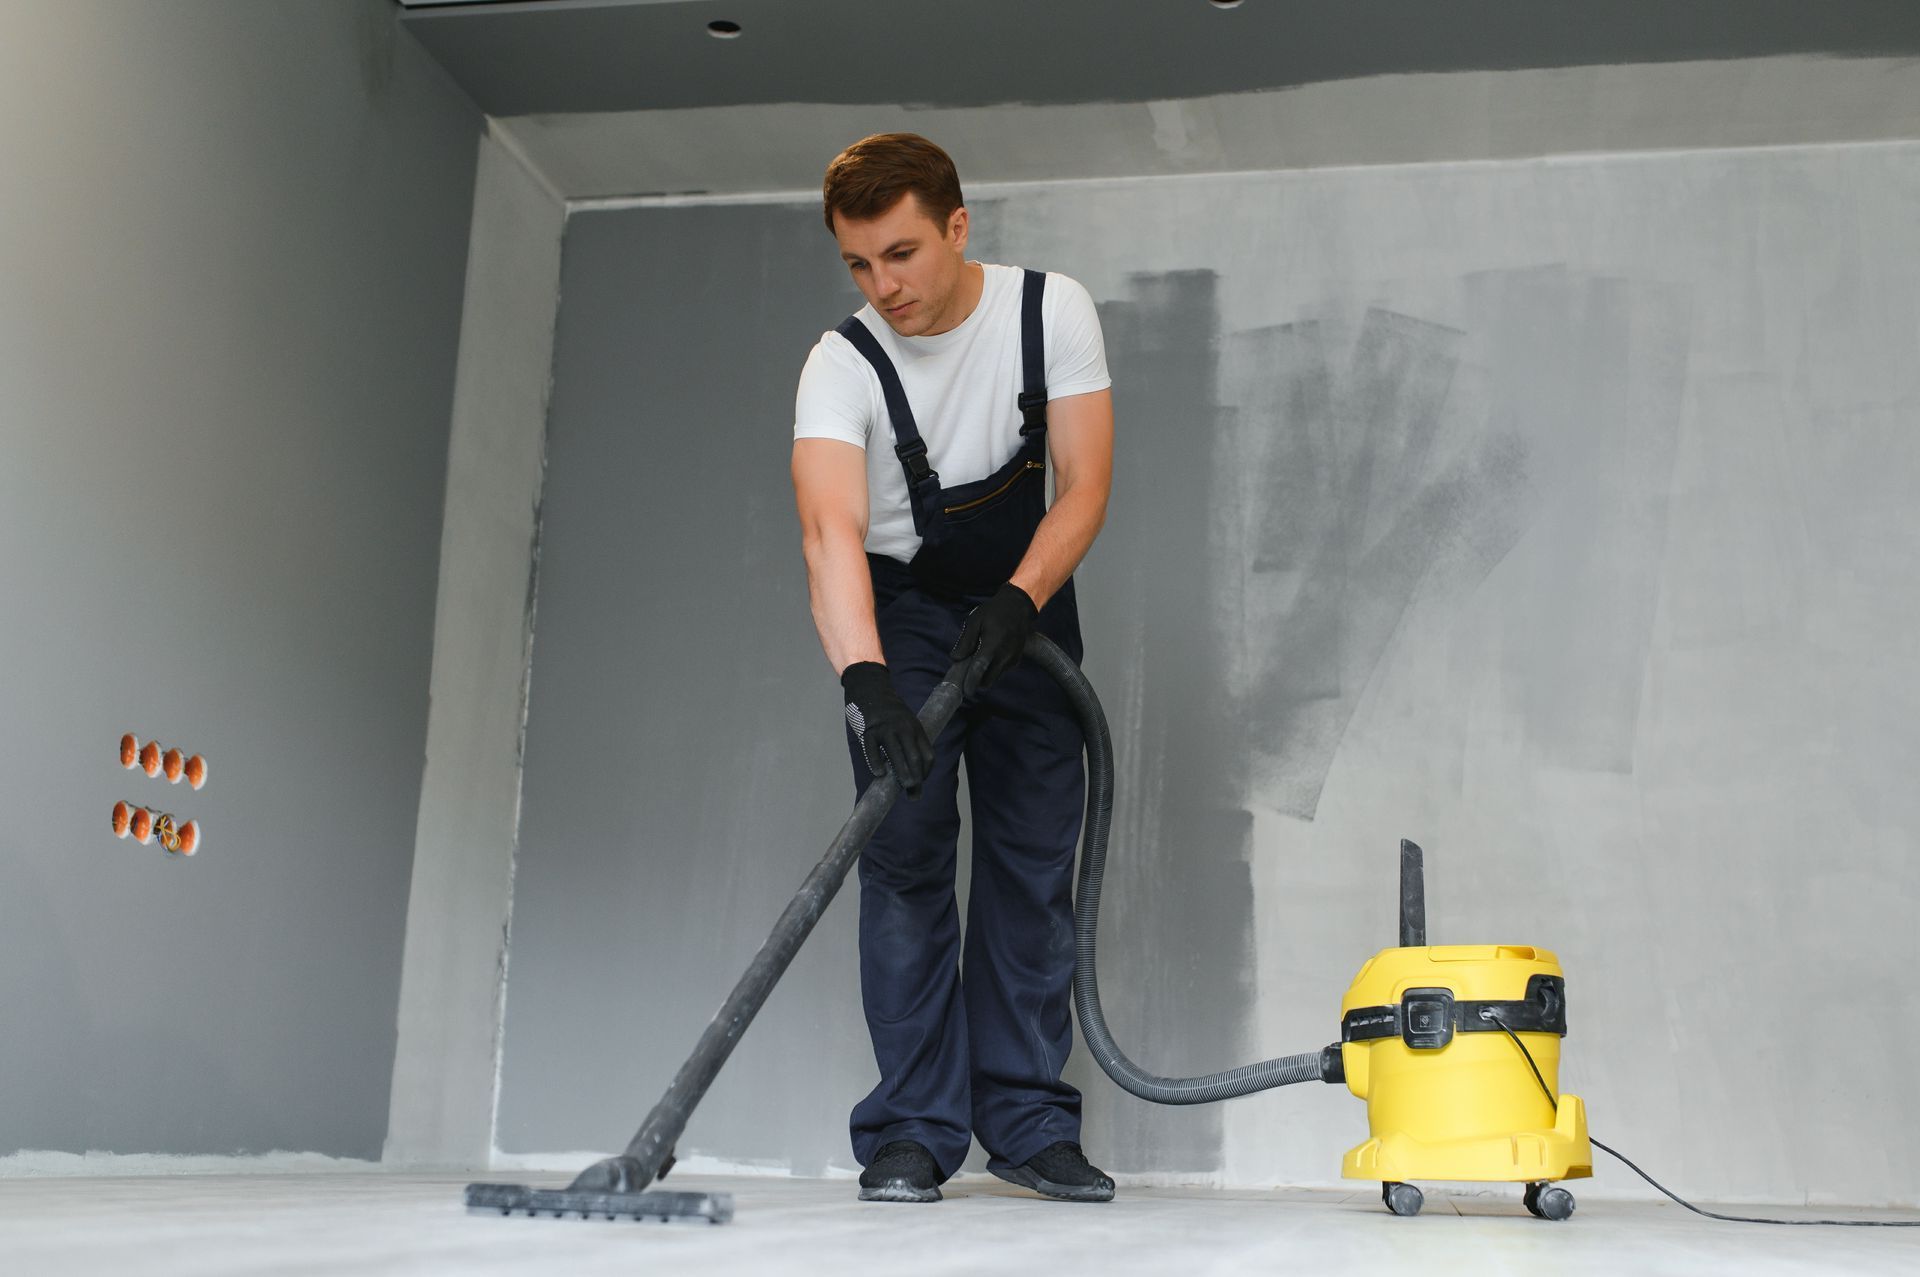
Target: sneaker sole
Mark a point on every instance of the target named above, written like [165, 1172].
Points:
[1048, 1188]
[898, 1190]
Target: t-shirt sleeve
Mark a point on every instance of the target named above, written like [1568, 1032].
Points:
[834, 400]
[1076, 352]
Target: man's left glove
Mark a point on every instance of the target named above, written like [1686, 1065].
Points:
[995, 634]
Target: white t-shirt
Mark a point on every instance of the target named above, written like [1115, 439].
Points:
[962, 384]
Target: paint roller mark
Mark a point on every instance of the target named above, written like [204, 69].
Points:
[1353, 490]
[1159, 633]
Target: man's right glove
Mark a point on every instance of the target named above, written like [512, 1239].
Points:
[888, 732]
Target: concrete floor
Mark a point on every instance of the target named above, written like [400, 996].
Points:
[207, 1225]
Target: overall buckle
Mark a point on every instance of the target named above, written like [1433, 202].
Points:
[914, 457]
[1033, 411]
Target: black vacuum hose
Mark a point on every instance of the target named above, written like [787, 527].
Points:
[1311, 1066]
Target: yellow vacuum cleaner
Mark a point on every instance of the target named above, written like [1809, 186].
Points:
[1456, 1050]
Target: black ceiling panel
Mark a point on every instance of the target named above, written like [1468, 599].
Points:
[558, 56]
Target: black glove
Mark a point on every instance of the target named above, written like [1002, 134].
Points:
[995, 634]
[888, 732]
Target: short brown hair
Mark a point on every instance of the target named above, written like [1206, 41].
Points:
[869, 177]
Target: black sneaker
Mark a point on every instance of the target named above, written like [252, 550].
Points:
[902, 1171]
[1060, 1170]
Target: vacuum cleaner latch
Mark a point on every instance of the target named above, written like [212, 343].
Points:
[1426, 1018]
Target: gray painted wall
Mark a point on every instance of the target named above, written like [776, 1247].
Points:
[681, 774]
[231, 257]
[1554, 513]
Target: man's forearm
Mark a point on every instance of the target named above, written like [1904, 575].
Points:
[840, 592]
[1061, 541]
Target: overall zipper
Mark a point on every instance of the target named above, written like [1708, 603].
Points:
[968, 505]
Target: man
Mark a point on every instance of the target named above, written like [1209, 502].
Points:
[923, 430]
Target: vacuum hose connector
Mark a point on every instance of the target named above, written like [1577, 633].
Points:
[1310, 1066]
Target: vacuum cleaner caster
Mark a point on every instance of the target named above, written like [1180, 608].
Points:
[1403, 1199]
[1549, 1201]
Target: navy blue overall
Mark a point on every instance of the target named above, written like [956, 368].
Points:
[972, 1044]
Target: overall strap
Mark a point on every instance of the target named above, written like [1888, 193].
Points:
[923, 481]
[1033, 356]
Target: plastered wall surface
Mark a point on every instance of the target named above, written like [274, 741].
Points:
[1564, 528]
[1553, 513]
[231, 254]
[452, 981]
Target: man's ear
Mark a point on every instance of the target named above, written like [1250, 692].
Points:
[957, 227]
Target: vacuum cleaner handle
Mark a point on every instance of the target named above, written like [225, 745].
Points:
[1413, 896]
[649, 1154]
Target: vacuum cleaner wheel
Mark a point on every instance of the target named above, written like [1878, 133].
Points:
[1549, 1201]
[1402, 1199]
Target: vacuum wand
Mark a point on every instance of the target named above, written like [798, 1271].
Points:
[616, 1185]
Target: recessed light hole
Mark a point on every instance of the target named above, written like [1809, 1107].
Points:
[725, 30]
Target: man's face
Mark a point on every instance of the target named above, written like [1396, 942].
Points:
[909, 267]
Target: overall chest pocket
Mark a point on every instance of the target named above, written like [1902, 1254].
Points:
[1021, 482]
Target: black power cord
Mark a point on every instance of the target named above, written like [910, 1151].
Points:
[1490, 1014]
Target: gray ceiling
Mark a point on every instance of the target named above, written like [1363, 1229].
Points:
[546, 57]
